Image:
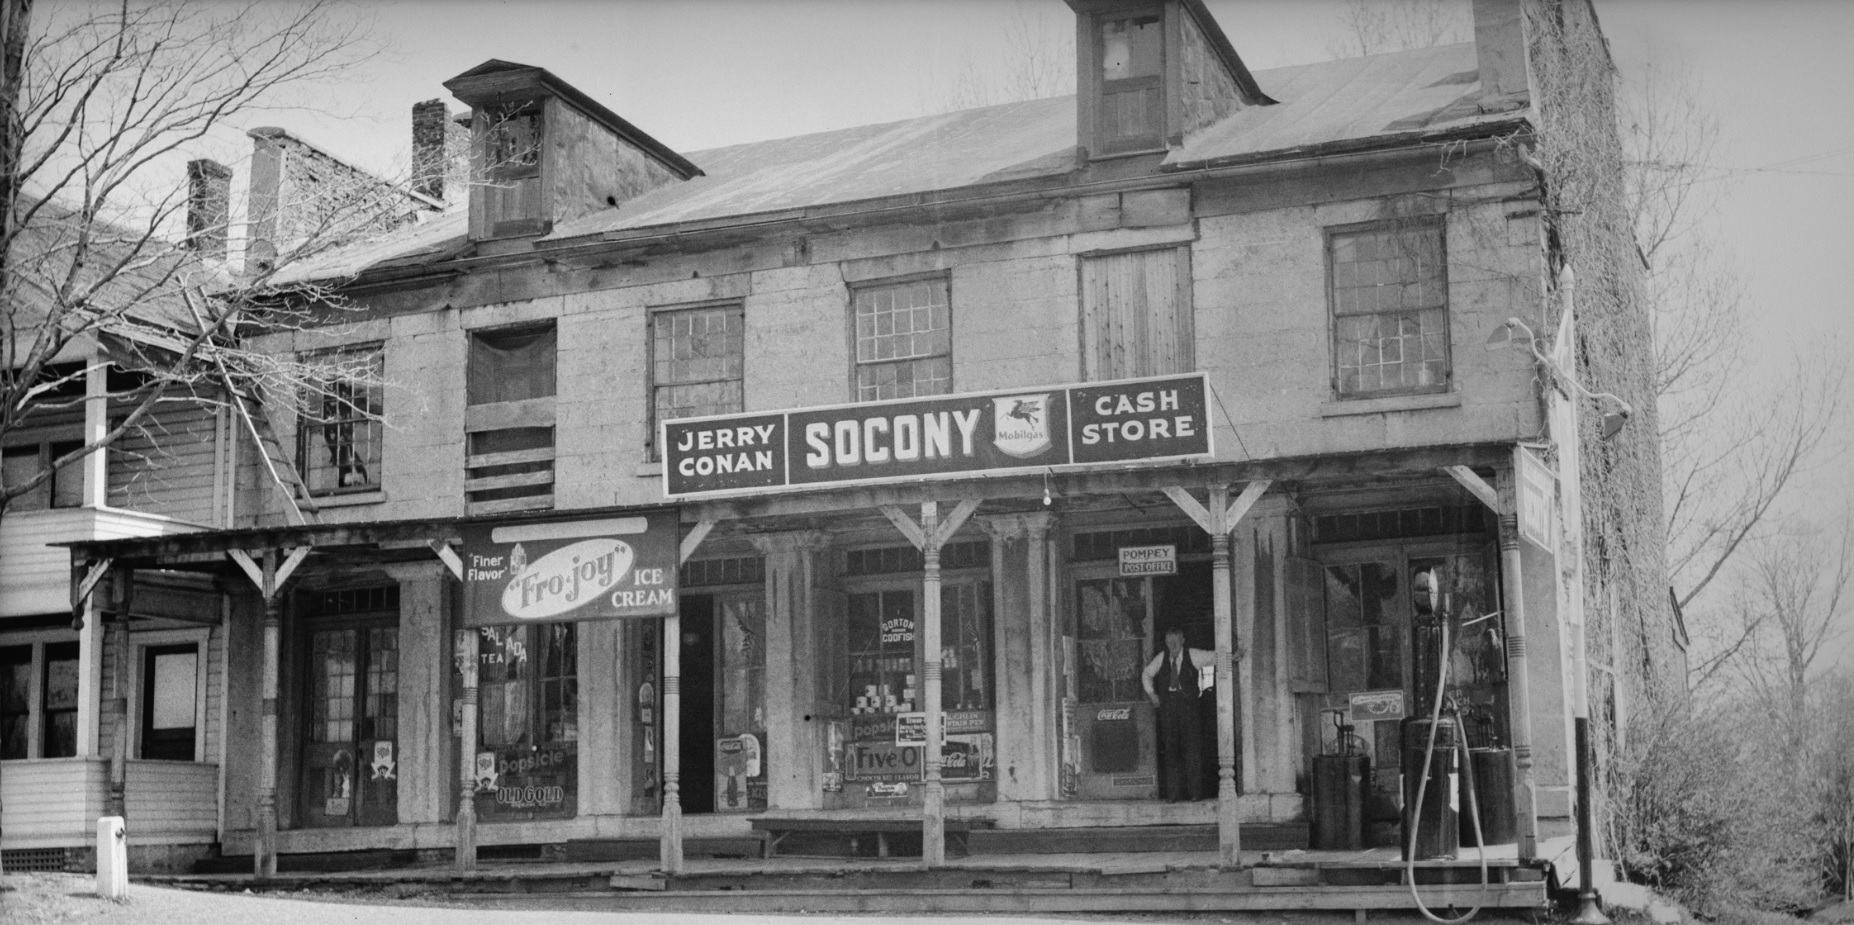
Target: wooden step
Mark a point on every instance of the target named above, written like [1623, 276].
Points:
[1255, 837]
[590, 850]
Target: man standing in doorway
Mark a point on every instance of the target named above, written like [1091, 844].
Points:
[1172, 681]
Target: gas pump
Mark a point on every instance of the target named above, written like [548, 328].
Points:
[1341, 786]
[1430, 822]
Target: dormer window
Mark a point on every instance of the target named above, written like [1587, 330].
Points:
[1132, 84]
[1151, 72]
[544, 154]
[512, 170]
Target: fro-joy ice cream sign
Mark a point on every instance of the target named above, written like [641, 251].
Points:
[557, 570]
[1160, 417]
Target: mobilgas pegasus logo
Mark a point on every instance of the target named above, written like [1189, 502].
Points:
[567, 578]
[1021, 424]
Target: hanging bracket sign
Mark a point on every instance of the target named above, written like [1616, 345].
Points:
[944, 436]
[563, 570]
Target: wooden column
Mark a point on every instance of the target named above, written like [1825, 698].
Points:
[791, 663]
[933, 788]
[270, 579]
[469, 647]
[118, 704]
[670, 847]
[929, 536]
[1519, 679]
[1218, 520]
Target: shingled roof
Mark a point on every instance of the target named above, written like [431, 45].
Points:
[1349, 104]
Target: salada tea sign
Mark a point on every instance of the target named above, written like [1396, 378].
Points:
[1163, 417]
[560, 570]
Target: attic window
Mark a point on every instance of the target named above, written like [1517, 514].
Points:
[1132, 55]
[511, 192]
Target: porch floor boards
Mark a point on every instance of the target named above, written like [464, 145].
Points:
[1095, 881]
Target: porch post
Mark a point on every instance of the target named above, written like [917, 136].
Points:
[1519, 680]
[1229, 822]
[469, 644]
[119, 695]
[264, 858]
[933, 795]
[671, 848]
[1219, 519]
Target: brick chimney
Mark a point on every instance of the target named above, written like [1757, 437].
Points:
[209, 207]
[430, 153]
[1500, 47]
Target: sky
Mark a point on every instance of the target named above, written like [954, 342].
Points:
[699, 74]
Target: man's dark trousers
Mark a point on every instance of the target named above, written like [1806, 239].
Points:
[1181, 747]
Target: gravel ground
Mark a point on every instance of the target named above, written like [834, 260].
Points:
[43, 899]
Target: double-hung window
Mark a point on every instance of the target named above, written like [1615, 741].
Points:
[38, 700]
[904, 339]
[338, 444]
[1388, 287]
[25, 460]
[696, 360]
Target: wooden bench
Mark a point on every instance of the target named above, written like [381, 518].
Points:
[777, 828]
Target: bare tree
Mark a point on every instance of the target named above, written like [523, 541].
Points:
[111, 99]
[1370, 27]
[1795, 598]
[1733, 443]
[1040, 64]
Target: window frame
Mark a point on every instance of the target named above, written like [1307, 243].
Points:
[496, 223]
[653, 452]
[1109, 145]
[139, 644]
[48, 447]
[306, 429]
[1437, 223]
[538, 457]
[857, 365]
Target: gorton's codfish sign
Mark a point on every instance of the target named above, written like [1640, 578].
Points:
[570, 570]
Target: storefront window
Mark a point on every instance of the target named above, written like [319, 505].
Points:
[885, 691]
[527, 759]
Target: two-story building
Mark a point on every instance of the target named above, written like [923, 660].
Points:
[940, 423]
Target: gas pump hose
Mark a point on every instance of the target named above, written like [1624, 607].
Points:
[1422, 785]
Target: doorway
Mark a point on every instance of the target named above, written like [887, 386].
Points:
[1120, 626]
[697, 722]
[349, 765]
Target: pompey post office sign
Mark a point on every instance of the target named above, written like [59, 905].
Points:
[599, 569]
[1162, 417]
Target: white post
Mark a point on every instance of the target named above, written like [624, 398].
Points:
[671, 847]
[112, 858]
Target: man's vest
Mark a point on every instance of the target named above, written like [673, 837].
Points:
[1187, 674]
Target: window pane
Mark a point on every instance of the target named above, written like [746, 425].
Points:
[340, 438]
[60, 700]
[175, 680]
[1390, 302]
[17, 464]
[15, 701]
[904, 340]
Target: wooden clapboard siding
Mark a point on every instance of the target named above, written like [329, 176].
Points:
[52, 802]
[172, 801]
[35, 577]
[1137, 314]
[168, 466]
[214, 678]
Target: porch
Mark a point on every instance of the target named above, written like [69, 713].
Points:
[1071, 881]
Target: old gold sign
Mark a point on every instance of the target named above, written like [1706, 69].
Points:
[1161, 417]
[603, 568]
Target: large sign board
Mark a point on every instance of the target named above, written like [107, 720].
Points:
[1161, 417]
[558, 570]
